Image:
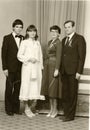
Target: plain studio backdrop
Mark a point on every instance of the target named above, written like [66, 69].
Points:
[44, 13]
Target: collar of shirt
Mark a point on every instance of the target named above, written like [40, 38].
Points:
[71, 35]
[16, 39]
[14, 34]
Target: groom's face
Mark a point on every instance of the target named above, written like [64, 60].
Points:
[17, 29]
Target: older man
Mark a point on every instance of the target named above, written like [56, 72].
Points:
[73, 58]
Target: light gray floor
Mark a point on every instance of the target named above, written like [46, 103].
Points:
[39, 122]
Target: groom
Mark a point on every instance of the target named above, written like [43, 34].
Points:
[12, 67]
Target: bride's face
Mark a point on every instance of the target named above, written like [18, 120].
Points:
[31, 34]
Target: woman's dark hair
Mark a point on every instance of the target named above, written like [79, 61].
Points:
[30, 29]
[17, 22]
[55, 27]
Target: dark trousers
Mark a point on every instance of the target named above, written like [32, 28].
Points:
[69, 95]
[12, 103]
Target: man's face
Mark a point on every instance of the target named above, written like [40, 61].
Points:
[69, 29]
[17, 29]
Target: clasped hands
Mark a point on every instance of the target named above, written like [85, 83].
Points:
[32, 60]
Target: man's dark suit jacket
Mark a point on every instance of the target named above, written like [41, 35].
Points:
[73, 56]
[9, 54]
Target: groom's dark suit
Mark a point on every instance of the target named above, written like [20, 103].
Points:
[73, 57]
[11, 63]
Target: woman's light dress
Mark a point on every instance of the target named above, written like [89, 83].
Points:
[31, 74]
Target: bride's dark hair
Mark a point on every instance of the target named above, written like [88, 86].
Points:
[31, 28]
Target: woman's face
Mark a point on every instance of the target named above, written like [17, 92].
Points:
[31, 34]
[54, 34]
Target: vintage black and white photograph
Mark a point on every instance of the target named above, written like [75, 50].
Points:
[44, 64]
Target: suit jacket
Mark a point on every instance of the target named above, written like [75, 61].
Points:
[73, 56]
[9, 54]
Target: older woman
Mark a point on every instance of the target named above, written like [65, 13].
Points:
[51, 75]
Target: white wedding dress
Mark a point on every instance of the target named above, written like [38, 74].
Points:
[31, 75]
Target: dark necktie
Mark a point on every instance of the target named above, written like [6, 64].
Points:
[67, 41]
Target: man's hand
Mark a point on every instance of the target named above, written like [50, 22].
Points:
[78, 76]
[5, 72]
[56, 72]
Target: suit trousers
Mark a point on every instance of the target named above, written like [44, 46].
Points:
[12, 103]
[69, 95]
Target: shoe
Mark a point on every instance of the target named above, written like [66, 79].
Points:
[33, 114]
[54, 115]
[68, 119]
[10, 113]
[28, 114]
[36, 112]
[18, 113]
[48, 115]
[62, 117]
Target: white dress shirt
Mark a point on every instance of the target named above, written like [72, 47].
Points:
[71, 35]
[17, 39]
